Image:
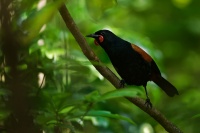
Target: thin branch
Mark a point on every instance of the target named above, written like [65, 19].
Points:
[109, 75]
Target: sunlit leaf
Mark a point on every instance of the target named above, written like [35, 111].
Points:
[128, 92]
[109, 115]
[66, 110]
[33, 24]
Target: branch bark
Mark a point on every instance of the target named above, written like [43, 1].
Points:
[109, 75]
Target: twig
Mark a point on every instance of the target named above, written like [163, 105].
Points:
[109, 75]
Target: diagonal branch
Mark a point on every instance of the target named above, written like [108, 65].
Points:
[109, 75]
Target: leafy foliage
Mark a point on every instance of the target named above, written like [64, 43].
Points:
[63, 92]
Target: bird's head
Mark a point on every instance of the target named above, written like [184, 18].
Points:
[102, 37]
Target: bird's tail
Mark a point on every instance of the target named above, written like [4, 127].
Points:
[169, 89]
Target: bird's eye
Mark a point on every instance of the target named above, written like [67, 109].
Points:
[101, 38]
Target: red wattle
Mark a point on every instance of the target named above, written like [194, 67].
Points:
[96, 43]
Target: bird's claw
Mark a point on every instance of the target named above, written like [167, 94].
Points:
[148, 103]
[122, 83]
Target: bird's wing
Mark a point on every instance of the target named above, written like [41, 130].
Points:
[154, 68]
[144, 55]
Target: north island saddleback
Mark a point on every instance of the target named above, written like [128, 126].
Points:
[133, 64]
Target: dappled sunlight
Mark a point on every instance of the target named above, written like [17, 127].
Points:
[146, 128]
[47, 83]
[181, 3]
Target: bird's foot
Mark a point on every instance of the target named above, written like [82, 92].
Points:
[148, 103]
[122, 83]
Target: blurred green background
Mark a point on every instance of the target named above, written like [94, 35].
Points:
[64, 89]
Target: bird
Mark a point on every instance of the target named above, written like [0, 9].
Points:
[132, 63]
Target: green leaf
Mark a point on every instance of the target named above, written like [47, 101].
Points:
[196, 116]
[93, 96]
[96, 97]
[33, 24]
[103, 113]
[128, 92]
[52, 122]
[4, 91]
[66, 110]
[22, 67]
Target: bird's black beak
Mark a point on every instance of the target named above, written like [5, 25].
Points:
[93, 36]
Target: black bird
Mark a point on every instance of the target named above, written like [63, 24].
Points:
[133, 64]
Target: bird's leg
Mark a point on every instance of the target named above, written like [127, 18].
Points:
[148, 102]
[122, 83]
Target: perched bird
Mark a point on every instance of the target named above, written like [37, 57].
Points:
[133, 64]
